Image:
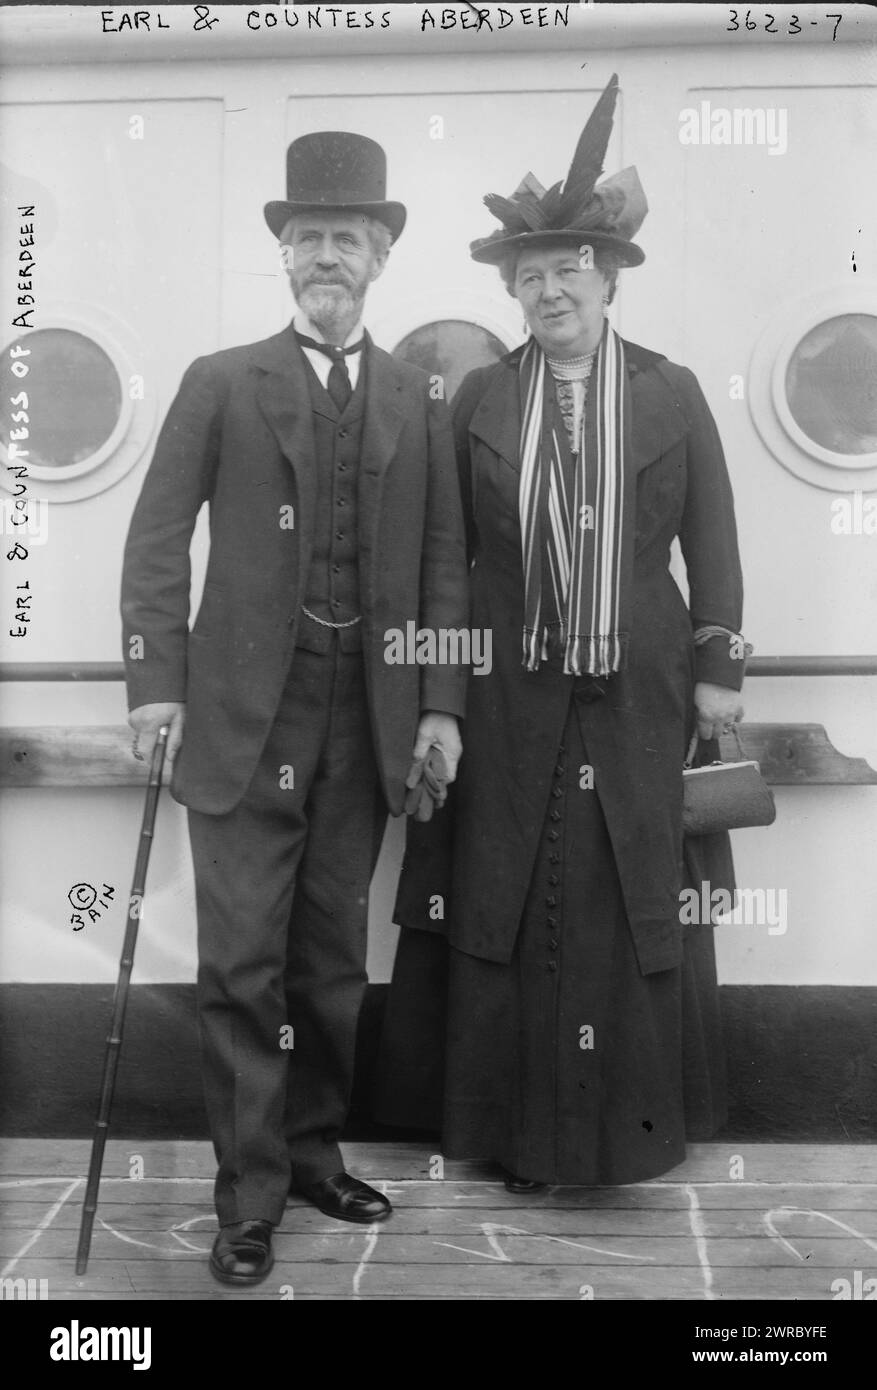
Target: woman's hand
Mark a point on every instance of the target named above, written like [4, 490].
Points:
[718, 709]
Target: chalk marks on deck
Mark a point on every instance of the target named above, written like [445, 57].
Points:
[782, 1214]
[698, 1232]
[810, 1218]
[43, 1225]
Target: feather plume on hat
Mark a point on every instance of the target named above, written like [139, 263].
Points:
[610, 213]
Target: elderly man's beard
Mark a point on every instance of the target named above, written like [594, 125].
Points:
[328, 300]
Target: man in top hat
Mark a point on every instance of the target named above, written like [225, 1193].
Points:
[334, 516]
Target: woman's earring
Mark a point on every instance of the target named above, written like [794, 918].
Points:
[605, 304]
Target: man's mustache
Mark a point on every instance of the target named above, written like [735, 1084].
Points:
[324, 280]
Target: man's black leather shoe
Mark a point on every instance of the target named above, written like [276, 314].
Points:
[242, 1253]
[346, 1198]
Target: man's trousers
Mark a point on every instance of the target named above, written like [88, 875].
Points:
[282, 890]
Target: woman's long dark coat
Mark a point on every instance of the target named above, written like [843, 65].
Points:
[639, 730]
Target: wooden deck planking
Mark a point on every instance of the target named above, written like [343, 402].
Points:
[491, 1191]
[467, 1245]
[135, 1279]
[150, 1218]
[382, 1280]
[779, 1163]
[808, 1218]
[571, 1207]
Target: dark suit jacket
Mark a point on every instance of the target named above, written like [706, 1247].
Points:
[239, 436]
[637, 733]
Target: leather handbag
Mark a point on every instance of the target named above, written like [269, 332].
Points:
[724, 796]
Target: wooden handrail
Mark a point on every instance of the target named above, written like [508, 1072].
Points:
[755, 666]
[101, 755]
[811, 666]
[62, 671]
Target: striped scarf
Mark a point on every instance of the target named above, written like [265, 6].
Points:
[589, 537]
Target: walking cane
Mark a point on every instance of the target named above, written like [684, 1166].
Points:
[120, 1000]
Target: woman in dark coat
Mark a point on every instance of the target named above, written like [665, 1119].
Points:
[581, 458]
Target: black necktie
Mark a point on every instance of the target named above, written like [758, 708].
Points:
[338, 386]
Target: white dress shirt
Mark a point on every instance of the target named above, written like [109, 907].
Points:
[322, 364]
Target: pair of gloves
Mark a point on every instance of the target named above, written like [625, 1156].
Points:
[427, 784]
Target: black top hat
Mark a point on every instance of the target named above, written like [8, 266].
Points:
[336, 171]
[605, 215]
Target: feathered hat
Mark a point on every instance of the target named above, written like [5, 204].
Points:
[605, 214]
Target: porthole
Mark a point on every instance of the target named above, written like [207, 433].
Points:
[831, 384]
[90, 403]
[75, 399]
[813, 389]
[450, 348]
[448, 332]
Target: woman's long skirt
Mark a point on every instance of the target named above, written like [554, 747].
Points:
[566, 1065]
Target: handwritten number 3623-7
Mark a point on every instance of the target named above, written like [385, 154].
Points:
[770, 26]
